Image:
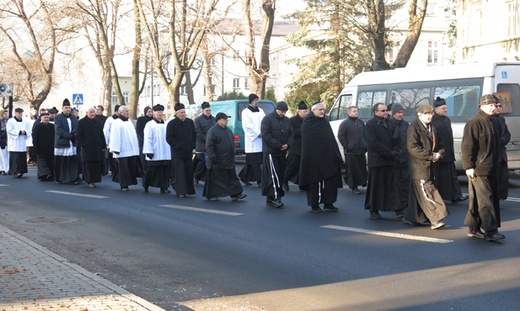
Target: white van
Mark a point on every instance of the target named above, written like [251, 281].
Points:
[460, 85]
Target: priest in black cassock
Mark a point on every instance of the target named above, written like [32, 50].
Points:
[202, 125]
[157, 152]
[221, 177]
[43, 143]
[292, 165]
[320, 169]
[180, 135]
[66, 170]
[92, 141]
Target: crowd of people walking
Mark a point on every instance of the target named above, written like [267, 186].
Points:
[411, 166]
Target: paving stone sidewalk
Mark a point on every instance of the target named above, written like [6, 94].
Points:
[33, 278]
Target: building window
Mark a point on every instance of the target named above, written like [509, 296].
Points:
[236, 83]
[246, 83]
[114, 98]
[126, 96]
[183, 90]
[433, 52]
[511, 20]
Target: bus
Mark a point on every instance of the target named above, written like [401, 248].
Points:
[460, 85]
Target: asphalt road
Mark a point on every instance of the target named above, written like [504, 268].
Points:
[192, 254]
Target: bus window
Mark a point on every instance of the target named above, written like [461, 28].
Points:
[462, 101]
[367, 99]
[509, 95]
[339, 110]
[410, 98]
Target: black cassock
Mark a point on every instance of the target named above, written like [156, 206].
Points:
[92, 141]
[43, 142]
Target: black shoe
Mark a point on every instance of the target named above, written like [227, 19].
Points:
[238, 197]
[274, 203]
[19, 175]
[463, 197]
[3, 173]
[285, 186]
[145, 189]
[406, 221]
[165, 190]
[475, 233]
[124, 189]
[246, 183]
[356, 191]
[316, 209]
[494, 236]
[400, 213]
[375, 215]
[92, 185]
[330, 208]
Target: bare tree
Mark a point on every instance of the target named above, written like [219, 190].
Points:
[33, 31]
[258, 70]
[177, 27]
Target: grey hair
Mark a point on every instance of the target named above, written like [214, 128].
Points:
[317, 105]
[91, 108]
[122, 108]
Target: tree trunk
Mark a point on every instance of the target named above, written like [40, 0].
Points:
[134, 92]
[415, 21]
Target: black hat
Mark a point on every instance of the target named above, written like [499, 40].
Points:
[44, 114]
[66, 102]
[302, 106]
[439, 102]
[18, 110]
[424, 108]
[158, 107]
[488, 99]
[179, 106]
[146, 109]
[116, 107]
[282, 106]
[204, 105]
[53, 110]
[396, 107]
[252, 97]
[221, 115]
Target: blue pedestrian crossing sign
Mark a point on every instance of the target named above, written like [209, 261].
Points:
[77, 99]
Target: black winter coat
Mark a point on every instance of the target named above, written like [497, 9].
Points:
[181, 137]
[296, 124]
[445, 137]
[91, 139]
[382, 149]
[3, 133]
[505, 136]
[220, 147]
[276, 132]
[400, 139]
[420, 145]
[351, 135]
[139, 128]
[202, 126]
[62, 134]
[43, 139]
[480, 145]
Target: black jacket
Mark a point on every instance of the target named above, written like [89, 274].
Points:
[139, 128]
[3, 133]
[399, 138]
[220, 148]
[296, 124]
[91, 139]
[181, 137]
[480, 145]
[420, 145]
[62, 134]
[202, 126]
[43, 139]
[276, 132]
[382, 149]
[505, 136]
[351, 135]
[445, 137]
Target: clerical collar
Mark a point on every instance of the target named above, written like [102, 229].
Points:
[158, 121]
[18, 120]
[123, 118]
[253, 109]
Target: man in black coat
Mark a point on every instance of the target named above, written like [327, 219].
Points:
[402, 173]
[277, 138]
[202, 125]
[425, 201]
[292, 164]
[351, 134]
[505, 137]
[382, 192]
[139, 128]
[480, 152]
[65, 147]
[445, 173]
[180, 135]
[320, 169]
[221, 177]
[92, 141]
[43, 142]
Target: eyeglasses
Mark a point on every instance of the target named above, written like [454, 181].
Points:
[498, 106]
[384, 110]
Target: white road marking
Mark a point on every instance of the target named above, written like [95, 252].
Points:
[388, 234]
[4, 185]
[92, 196]
[513, 199]
[202, 210]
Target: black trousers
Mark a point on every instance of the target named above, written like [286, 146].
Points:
[484, 204]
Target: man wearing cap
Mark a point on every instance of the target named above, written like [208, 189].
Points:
[292, 164]
[252, 117]
[320, 169]
[277, 139]
[202, 125]
[125, 150]
[221, 177]
[91, 139]
[180, 135]
[4, 152]
[402, 174]
[52, 114]
[66, 169]
[480, 151]
[157, 152]
[18, 131]
[445, 173]
[43, 142]
[425, 202]
[351, 134]
[382, 192]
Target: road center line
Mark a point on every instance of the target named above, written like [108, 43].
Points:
[92, 196]
[202, 210]
[389, 234]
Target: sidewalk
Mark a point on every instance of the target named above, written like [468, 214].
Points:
[33, 278]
